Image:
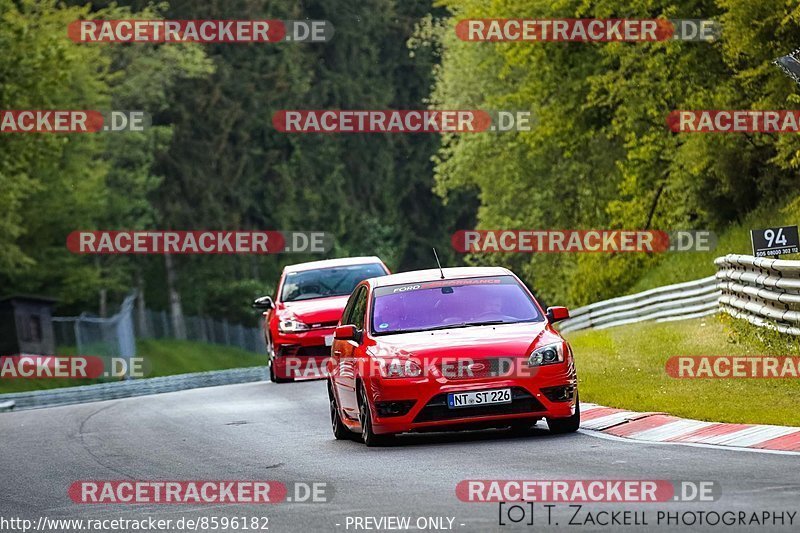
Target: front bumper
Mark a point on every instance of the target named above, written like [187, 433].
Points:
[550, 393]
[303, 355]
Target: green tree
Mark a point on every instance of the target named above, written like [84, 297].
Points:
[55, 184]
[600, 154]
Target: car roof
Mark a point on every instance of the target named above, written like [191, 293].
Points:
[330, 263]
[433, 274]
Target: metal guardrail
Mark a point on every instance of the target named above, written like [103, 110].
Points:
[765, 292]
[126, 389]
[680, 301]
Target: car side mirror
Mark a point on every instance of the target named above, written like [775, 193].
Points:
[347, 333]
[265, 303]
[557, 313]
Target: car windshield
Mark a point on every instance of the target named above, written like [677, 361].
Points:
[325, 282]
[451, 303]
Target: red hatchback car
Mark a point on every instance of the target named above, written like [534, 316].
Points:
[438, 350]
[300, 320]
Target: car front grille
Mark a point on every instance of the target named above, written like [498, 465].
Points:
[295, 350]
[491, 367]
[522, 402]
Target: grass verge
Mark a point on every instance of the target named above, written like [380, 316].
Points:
[623, 367]
[162, 357]
[687, 266]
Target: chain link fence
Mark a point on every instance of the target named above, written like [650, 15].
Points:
[89, 335]
[116, 336]
[158, 325]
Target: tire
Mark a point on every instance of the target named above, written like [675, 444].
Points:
[275, 379]
[340, 431]
[365, 418]
[566, 425]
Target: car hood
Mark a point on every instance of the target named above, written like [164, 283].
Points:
[316, 311]
[507, 340]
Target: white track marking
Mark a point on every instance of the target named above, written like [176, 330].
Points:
[717, 447]
[608, 421]
[670, 430]
[750, 436]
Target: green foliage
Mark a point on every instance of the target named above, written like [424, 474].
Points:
[734, 239]
[212, 159]
[54, 184]
[764, 340]
[600, 154]
[46, 180]
[227, 167]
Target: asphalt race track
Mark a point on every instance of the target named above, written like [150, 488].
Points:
[263, 431]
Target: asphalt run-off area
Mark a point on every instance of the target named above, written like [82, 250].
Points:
[264, 431]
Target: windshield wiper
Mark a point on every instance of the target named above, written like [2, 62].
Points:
[469, 324]
[486, 323]
[450, 326]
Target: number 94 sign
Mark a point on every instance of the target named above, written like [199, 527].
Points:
[775, 241]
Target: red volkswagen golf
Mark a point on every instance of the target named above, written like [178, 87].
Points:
[439, 350]
[308, 303]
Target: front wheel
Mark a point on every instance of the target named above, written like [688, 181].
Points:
[273, 378]
[365, 418]
[566, 425]
[340, 431]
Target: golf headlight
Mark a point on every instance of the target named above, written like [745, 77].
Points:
[291, 325]
[399, 368]
[547, 355]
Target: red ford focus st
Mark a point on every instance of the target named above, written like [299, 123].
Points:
[443, 350]
[308, 303]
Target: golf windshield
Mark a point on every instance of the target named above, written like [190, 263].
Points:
[451, 303]
[325, 282]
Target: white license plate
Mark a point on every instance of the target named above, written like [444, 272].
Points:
[484, 397]
[328, 340]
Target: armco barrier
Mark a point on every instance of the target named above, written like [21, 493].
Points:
[765, 292]
[133, 387]
[680, 301]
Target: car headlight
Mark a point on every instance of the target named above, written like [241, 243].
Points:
[549, 354]
[291, 325]
[399, 368]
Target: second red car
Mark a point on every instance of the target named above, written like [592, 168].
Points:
[300, 320]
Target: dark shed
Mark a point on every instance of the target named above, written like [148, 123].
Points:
[26, 325]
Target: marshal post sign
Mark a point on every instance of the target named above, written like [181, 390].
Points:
[775, 241]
